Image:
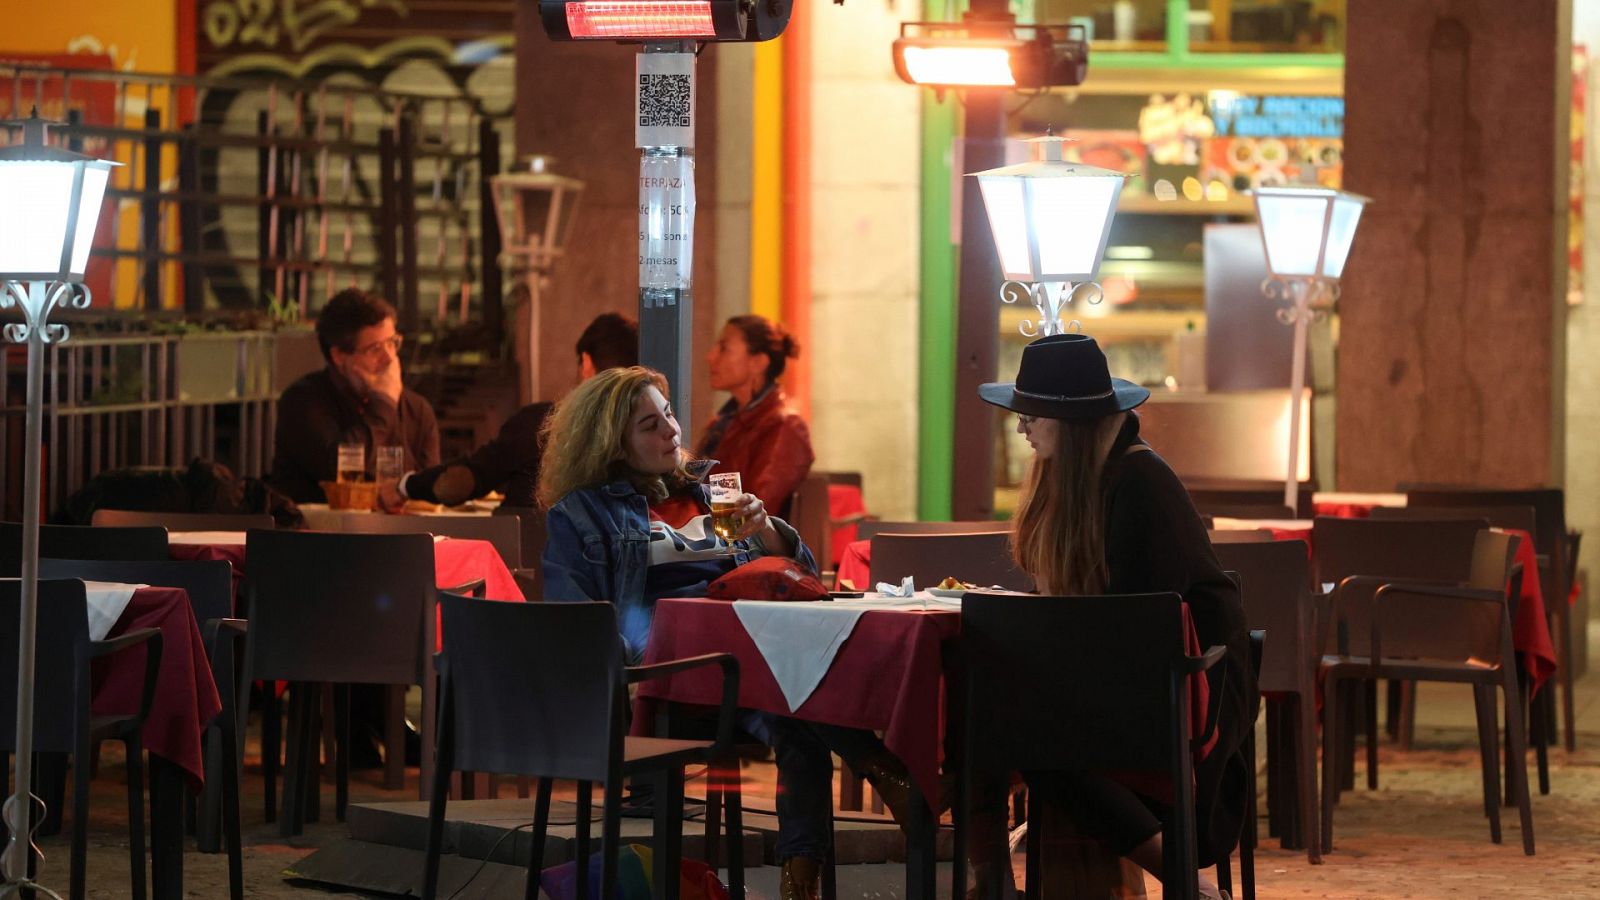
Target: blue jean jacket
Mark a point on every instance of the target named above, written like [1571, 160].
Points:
[598, 548]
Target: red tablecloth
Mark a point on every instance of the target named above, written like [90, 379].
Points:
[185, 696]
[844, 502]
[855, 567]
[455, 561]
[888, 676]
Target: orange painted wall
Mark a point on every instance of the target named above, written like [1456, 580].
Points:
[137, 34]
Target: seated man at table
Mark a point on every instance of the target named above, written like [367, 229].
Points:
[510, 462]
[358, 397]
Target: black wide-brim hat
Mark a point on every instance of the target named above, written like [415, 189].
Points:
[1064, 376]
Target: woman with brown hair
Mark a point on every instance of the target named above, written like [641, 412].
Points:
[1101, 513]
[757, 433]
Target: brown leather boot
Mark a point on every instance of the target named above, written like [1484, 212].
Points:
[800, 879]
[889, 777]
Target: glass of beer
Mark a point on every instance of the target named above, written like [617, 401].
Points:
[352, 462]
[725, 493]
[390, 464]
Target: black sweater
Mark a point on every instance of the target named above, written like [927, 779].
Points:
[1156, 542]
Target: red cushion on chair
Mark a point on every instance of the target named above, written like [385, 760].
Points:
[768, 578]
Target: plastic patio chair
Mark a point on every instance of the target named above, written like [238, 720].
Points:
[867, 529]
[181, 521]
[980, 559]
[1275, 583]
[81, 542]
[1423, 631]
[342, 609]
[539, 689]
[1042, 667]
[209, 585]
[62, 693]
[503, 531]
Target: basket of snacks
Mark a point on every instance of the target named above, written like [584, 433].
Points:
[358, 495]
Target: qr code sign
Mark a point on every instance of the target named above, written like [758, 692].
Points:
[665, 100]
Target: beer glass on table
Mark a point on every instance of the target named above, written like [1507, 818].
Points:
[352, 462]
[725, 494]
[390, 465]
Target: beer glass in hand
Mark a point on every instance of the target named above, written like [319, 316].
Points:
[725, 494]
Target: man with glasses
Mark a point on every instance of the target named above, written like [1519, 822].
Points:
[358, 397]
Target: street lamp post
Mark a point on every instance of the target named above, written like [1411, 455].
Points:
[1306, 233]
[1050, 220]
[49, 205]
[535, 209]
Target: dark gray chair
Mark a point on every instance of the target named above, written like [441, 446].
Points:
[62, 692]
[340, 609]
[981, 559]
[1041, 667]
[533, 538]
[1239, 536]
[1422, 631]
[180, 521]
[540, 690]
[81, 542]
[1275, 583]
[209, 585]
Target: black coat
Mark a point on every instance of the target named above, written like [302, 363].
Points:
[509, 462]
[1156, 542]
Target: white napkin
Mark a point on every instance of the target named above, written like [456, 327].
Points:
[107, 600]
[798, 640]
[906, 588]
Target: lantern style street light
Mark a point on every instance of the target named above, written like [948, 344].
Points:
[50, 202]
[1306, 233]
[535, 209]
[1050, 219]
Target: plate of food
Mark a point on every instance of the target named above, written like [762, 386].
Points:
[950, 588]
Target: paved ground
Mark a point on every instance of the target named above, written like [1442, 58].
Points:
[1422, 835]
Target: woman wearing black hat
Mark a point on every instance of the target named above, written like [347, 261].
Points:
[1101, 513]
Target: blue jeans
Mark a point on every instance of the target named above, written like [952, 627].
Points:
[804, 754]
[805, 783]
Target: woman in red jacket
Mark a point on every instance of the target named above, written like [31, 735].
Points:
[756, 433]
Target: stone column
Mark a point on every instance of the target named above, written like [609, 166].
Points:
[1451, 352]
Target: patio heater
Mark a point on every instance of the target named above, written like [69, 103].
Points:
[1050, 220]
[534, 208]
[50, 202]
[1306, 232]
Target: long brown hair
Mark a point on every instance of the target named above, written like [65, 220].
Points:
[586, 437]
[1059, 532]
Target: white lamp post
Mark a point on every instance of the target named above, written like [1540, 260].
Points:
[1050, 219]
[49, 206]
[535, 209]
[1306, 232]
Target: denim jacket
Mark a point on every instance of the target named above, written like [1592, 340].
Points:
[598, 548]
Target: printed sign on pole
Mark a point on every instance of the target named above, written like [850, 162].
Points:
[664, 101]
[666, 221]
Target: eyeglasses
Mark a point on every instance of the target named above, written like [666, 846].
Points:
[371, 349]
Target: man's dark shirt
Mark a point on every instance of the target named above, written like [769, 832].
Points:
[509, 462]
[319, 411]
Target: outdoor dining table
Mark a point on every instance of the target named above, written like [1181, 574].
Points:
[185, 701]
[876, 665]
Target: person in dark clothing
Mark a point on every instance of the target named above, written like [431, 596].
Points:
[1101, 513]
[357, 398]
[510, 462]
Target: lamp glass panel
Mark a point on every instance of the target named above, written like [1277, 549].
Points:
[1070, 216]
[621, 19]
[35, 198]
[1002, 198]
[1292, 228]
[1341, 233]
[94, 191]
[959, 65]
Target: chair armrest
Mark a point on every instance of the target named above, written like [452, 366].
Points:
[730, 686]
[152, 660]
[474, 588]
[1434, 590]
[1197, 665]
